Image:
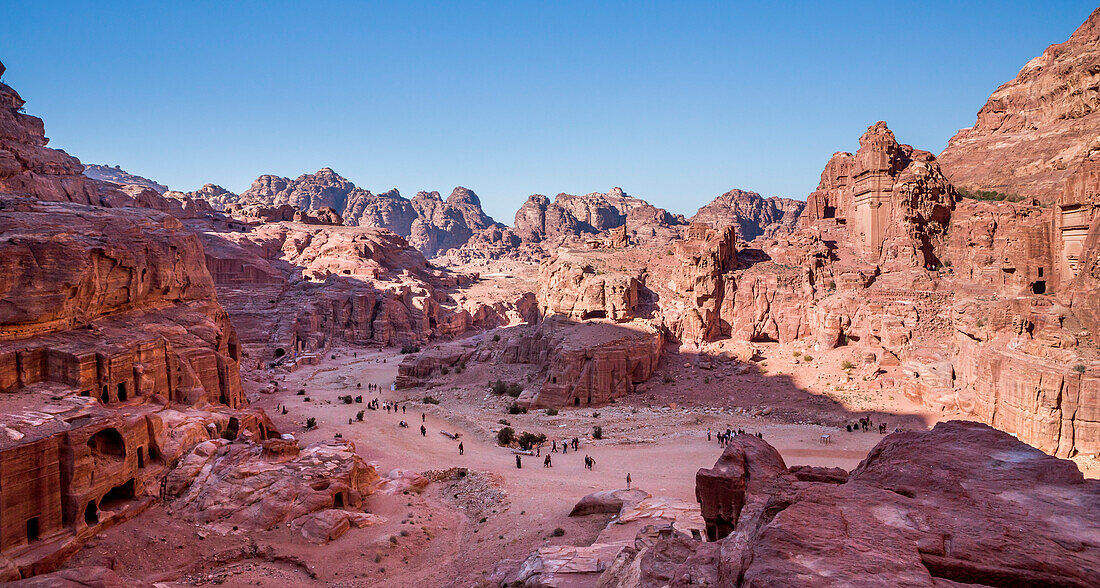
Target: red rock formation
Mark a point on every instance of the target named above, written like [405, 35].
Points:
[117, 175]
[751, 213]
[430, 224]
[923, 509]
[580, 364]
[1034, 129]
[257, 487]
[293, 288]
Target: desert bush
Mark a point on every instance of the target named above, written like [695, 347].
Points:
[1079, 368]
[311, 423]
[597, 432]
[558, 532]
[808, 357]
[407, 349]
[346, 399]
[496, 337]
[667, 379]
[431, 400]
[359, 416]
[528, 440]
[504, 422]
[846, 365]
[551, 412]
[516, 409]
[444, 370]
[506, 436]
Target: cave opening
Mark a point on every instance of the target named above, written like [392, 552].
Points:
[91, 513]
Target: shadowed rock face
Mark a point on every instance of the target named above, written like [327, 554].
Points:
[1034, 129]
[961, 503]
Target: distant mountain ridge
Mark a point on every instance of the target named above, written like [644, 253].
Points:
[117, 175]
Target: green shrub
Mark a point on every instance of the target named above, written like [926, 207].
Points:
[558, 532]
[498, 387]
[597, 432]
[1079, 368]
[514, 390]
[846, 365]
[359, 416]
[667, 379]
[808, 357]
[516, 409]
[992, 195]
[797, 354]
[444, 370]
[496, 337]
[431, 400]
[528, 440]
[506, 436]
[407, 349]
[504, 422]
[311, 423]
[551, 412]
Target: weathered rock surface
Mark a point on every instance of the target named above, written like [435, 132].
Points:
[115, 356]
[751, 213]
[428, 222]
[294, 288]
[580, 364]
[1034, 129]
[960, 504]
[256, 487]
[117, 175]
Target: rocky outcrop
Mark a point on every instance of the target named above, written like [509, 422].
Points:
[751, 213]
[259, 486]
[428, 222]
[218, 197]
[115, 356]
[441, 225]
[295, 288]
[923, 509]
[579, 363]
[117, 175]
[28, 167]
[569, 217]
[568, 286]
[1034, 129]
[893, 199]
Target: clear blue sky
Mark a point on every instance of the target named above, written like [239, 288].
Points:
[676, 102]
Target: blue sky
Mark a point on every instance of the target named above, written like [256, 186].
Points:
[675, 102]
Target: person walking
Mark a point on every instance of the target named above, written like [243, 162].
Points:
[423, 431]
[628, 480]
[519, 464]
[461, 450]
[546, 462]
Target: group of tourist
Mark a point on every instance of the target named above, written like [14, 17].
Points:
[724, 437]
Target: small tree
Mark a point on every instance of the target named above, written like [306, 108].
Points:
[528, 440]
[311, 423]
[597, 432]
[846, 365]
[516, 409]
[1079, 368]
[505, 436]
[359, 416]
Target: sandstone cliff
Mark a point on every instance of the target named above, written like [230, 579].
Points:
[1034, 129]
